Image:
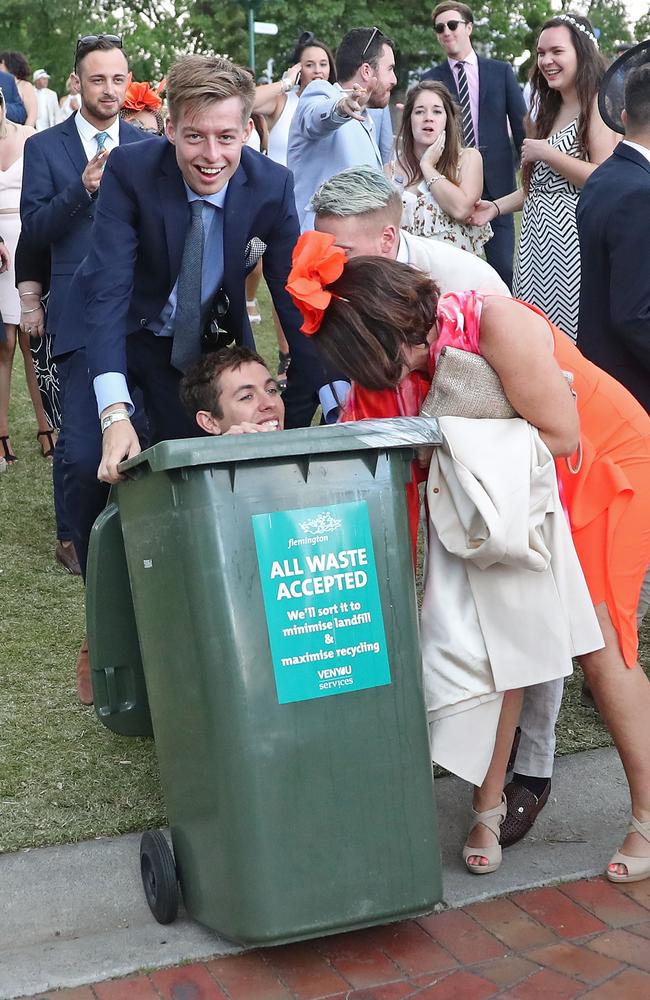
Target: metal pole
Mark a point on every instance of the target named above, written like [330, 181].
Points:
[251, 35]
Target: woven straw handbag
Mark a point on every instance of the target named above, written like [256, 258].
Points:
[465, 385]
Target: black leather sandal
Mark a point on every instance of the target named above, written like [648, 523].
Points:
[7, 455]
[50, 440]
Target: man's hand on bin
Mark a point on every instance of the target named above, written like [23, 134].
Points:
[119, 442]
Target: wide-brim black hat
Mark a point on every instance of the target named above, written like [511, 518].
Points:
[611, 96]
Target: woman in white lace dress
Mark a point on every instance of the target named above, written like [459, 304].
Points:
[568, 139]
[439, 179]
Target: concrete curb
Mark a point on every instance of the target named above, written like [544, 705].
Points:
[76, 914]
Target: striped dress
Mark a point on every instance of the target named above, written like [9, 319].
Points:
[547, 265]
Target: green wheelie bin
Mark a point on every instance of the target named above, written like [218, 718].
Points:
[117, 675]
[274, 599]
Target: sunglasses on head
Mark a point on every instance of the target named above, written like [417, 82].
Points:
[441, 25]
[217, 335]
[86, 40]
[374, 33]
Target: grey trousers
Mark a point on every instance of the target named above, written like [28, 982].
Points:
[540, 711]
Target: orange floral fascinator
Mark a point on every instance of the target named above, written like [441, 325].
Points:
[315, 263]
[141, 97]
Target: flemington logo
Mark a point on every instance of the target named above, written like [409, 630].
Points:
[317, 529]
[320, 525]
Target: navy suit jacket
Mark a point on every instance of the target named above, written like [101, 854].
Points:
[613, 227]
[143, 204]
[13, 101]
[500, 101]
[57, 212]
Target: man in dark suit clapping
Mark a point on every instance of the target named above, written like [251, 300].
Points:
[613, 226]
[490, 99]
[62, 174]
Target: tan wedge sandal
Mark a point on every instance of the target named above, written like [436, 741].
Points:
[637, 868]
[492, 819]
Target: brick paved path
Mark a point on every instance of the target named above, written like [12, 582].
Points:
[584, 939]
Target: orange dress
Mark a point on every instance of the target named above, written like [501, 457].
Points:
[608, 499]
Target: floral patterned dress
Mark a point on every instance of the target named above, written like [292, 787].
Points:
[423, 216]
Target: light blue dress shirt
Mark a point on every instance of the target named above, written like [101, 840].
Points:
[111, 387]
[322, 143]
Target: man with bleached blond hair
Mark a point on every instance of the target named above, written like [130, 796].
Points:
[362, 210]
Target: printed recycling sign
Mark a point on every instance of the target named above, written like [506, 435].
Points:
[321, 597]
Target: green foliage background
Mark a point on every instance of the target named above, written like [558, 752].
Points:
[157, 31]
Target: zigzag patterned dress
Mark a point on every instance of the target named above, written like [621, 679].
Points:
[547, 265]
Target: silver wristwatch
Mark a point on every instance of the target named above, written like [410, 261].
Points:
[112, 418]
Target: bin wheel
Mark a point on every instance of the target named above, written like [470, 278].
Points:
[158, 871]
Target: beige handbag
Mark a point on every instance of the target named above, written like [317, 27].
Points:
[465, 385]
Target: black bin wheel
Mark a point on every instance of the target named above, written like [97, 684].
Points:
[158, 872]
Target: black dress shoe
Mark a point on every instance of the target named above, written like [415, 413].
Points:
[67, 557]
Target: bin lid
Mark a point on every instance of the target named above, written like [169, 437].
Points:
[359, 435]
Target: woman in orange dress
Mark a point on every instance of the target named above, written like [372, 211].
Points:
[384, 324]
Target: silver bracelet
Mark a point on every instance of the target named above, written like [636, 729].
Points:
[432, 180]
[26, 311]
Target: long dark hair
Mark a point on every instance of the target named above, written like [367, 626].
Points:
[448, 162]
[591, 69]
[17, 64]
[307, 41]
[378, 307]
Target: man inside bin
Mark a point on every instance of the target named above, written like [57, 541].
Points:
[231, 391]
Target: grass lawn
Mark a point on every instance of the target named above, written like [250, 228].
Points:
[63, 776]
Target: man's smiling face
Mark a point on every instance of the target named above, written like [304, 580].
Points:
[208, 143]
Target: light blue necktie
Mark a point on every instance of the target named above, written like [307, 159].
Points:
[100, 139]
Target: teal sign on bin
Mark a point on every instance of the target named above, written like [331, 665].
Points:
[321, 597]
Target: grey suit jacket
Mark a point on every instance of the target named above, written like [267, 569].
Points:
[322, 143]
